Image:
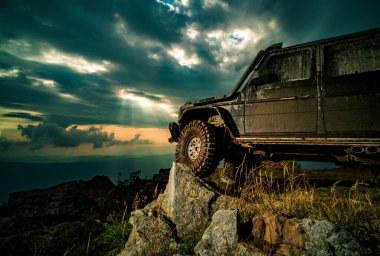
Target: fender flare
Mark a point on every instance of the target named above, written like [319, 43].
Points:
[204, 113]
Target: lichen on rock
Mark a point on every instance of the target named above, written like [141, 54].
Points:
[326, 238]
[151, 233]
[221, 236]
[187, 201]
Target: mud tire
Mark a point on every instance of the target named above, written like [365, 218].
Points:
[206, 158]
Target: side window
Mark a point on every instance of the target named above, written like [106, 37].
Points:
[352, 57]
[289, 66]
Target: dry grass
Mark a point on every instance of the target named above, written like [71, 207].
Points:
[290, 194]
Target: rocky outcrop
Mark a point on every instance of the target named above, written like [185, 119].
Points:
[151, 233]
[187, 206]
[49, 221]
[221, 236]
[187, 201]
[303, 237]
[325, 238]
[70, 216]
[65, 200]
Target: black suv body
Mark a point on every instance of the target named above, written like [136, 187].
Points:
[313, 100]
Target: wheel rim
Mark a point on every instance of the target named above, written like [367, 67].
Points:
[193, 148]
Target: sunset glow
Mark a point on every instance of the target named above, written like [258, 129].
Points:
[155, 135]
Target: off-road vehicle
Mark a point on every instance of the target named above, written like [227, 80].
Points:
[313, 100]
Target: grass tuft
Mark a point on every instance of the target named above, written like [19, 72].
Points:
[289, 193]
[116, 233]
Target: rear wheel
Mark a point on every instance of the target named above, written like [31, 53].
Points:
[197, 147]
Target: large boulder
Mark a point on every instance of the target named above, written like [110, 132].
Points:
[187, 201]
[179, 214]
[326, 238]
[188, 204]
[221, 236]
[150, 235]
[302, 237]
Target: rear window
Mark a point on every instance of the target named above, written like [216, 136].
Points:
[290, 66]
[355, 57]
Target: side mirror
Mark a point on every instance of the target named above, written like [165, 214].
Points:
[265, 78]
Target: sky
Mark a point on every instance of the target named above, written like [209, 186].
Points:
[80, 78]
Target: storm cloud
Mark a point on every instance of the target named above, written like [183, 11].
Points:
[24, 115]
[134, 63]
[57, 136]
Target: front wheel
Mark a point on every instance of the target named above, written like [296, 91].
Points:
[197, 147]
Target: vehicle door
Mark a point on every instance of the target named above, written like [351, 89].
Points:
[283, 98]
[351, 86]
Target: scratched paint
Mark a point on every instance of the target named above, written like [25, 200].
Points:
[354, 57]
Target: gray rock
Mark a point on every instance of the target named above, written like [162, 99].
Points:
[150, 235]
[221, 237]
[244, 249]
[187, 201]
[303, 237]
[326, 238]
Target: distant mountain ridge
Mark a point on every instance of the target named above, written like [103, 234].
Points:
[19, 176]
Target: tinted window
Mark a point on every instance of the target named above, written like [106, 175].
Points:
[290, 66]
[353, 57]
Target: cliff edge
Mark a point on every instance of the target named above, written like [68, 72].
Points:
[193, 218]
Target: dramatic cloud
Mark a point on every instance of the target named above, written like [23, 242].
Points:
[25, 115]
[133, 63]
[57, 136]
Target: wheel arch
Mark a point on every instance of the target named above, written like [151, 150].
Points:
[205, 113]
